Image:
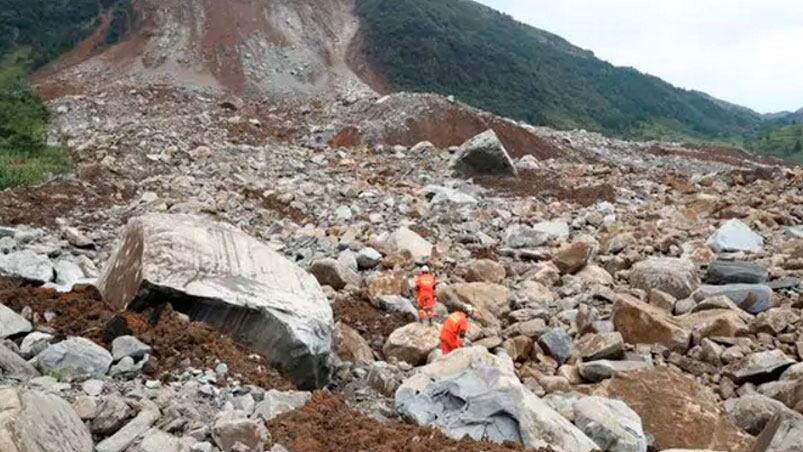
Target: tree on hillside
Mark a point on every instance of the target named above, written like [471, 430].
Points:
[797, 147]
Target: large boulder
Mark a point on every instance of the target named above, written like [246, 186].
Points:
[522, 236]
[487, 298]
[484, 154]
[275, 403]
[32, 421]
[350, 346]
[784, 433]
[753, 298]
[675, 276]
[330, 272]
[611, 424]
[217, 274]
[727, 272]
[75, 359]
[471, 392]
[12, 365]
[573, 257]
[485, 270]
[412, 343]
[27, 265]
[676, 410]
[406, 241]
[735, 236]
[753, 412]
[759, 366]
[715, 322]
[642, 323]
[12, 323]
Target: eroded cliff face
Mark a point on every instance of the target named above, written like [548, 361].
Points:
[275, 48]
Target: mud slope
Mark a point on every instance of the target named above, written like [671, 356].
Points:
[276, 48]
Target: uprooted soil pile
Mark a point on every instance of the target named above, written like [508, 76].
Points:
[177, 343]
[373, 325]
[543, 184]
[326, 423]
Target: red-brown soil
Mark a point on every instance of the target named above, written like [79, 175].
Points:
[537, 183]
[327, 424]
[41, 205]
[176, 343]
[372, 324]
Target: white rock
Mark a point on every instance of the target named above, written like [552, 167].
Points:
[34, 343]
[12, 323]
[32, 421]
[611, 424]
[735, 236]
[221, 271]
[472, 392]
[27, 265]
[75, 358]
[404, 240]
[129, 346]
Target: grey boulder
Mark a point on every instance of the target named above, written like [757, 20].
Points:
[751, 413]
[473, 393]
[784, 433]
[675, 276]
[558, 344]
[611, 424]
[396, 303]
[75, 359]
[758, 366]
[735, 236]
[522, 236]
[484, 154]
[334, 274]
[753, 298]
[129, 346]
[217, 274]
[276, 402]
[726, 272]
[442, 195]
[28, 266]
[32, 421]
[12, 323]
[12, 365]
[596, 371]
[368, 258]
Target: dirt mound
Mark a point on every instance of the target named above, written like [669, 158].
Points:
[327, 424]
[176, 343]
[408, 119]
[544, 184]
[372, 324]
[41, 205]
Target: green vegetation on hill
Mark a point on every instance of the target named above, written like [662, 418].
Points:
[33, 33]
[782, 141]
[25, 157]
[48, 27]
[487, 59]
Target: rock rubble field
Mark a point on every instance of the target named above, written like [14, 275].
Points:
[235, 275]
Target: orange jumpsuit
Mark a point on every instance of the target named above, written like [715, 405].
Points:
[426, 296]
[455, 324]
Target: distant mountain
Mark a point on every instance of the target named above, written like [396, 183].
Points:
[785, 117]
[310, 48]
[487, 59]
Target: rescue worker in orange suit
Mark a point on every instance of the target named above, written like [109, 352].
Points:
[453, 332]
[425, 291]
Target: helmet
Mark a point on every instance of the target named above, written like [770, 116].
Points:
[425, 269]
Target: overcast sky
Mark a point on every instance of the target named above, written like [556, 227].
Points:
[745, 51]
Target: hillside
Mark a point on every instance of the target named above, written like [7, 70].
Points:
[487, 59]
